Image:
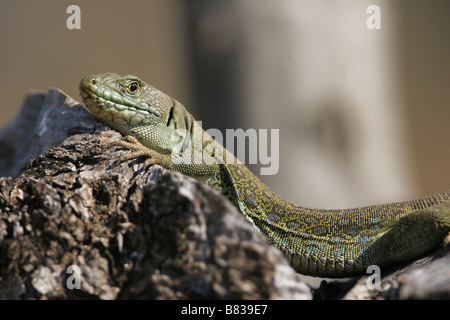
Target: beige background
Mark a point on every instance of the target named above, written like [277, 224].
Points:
[148, 39]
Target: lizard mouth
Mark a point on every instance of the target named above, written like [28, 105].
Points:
[96, 103]
[94, 97]
[86, 91]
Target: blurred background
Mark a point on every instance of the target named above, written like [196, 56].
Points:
[363, 114]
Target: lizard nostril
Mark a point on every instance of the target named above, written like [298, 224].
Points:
[93, 81]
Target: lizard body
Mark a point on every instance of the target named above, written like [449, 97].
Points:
[327, 243]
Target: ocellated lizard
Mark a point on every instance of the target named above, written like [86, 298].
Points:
[327, 243]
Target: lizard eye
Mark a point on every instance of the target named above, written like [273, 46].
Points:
[133, 87]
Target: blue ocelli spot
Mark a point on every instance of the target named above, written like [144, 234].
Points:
[312, 249]
[273, 217]
[366, 239]
[250, 201]
[285, 242]
[305, 235]
[320, 230]
[374, 220]
[351, 230]
[310, 221]
[293, 225]
[337, 240]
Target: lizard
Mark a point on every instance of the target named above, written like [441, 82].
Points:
[328, 243]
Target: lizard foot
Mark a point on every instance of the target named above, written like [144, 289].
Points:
[447, 241]
[130, 142]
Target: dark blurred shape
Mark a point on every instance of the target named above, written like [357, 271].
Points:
[424, 64]
[213, 43]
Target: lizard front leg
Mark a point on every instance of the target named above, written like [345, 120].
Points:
[152, 156]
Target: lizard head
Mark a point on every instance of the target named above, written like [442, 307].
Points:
[125, 102]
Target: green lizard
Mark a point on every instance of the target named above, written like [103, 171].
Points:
[326, 243]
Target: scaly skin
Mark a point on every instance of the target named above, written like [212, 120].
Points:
[326, 243]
